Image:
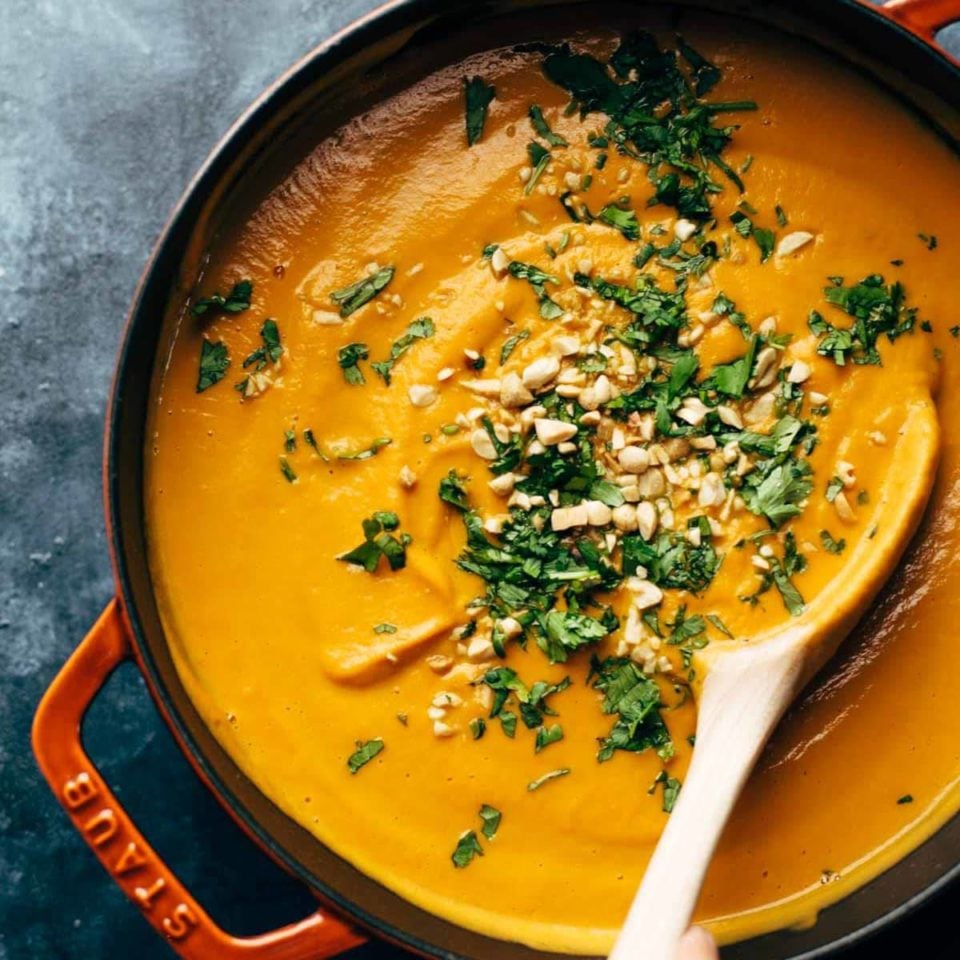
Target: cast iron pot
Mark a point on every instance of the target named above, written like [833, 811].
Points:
[384, 52]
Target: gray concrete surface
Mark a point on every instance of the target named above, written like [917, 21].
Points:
[106, 108]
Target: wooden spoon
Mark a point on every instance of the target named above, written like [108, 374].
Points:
[747, 688]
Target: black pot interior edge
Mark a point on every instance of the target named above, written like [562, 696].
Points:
[891, 895]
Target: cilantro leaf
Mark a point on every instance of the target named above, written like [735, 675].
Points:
[452, 491]
[622, 219]
[831, 545]
[365, 752]
[349, 358]
[478, 96]
[367, 452]
[539, 158]
[420, 329]
[538, 279]
[491, 818]
[635, 699]
[876, 309]
[236, 301]
[547, 777]
[511, 344]
[779, 493]
[379, 541]
[542, 128]
[214, 361]
[351, 298]
[731, 378]
[562, 633]
[468, 847]
[671, 561]
[547, 735]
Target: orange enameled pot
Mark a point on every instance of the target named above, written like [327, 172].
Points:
[382, 53]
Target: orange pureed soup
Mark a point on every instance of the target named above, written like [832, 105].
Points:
[549, 371]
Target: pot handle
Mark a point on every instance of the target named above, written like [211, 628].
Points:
[924, 17]
[113, 837]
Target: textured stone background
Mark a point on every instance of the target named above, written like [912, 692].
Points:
[106, 108]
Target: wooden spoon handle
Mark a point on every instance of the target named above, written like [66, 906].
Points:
[744, 695]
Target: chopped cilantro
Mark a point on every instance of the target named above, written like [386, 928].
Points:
[671, 561]
[385, 628]
[478, 96]
[719, 624]
[379, 541]
[622, 219]
[779, 576]
[763, 237]
[311, 441]
[349, 358]
[655, 114]
[635, 698]
[547, 735]
[731, 378]
[532, 701]
[271, 349]
[452, 491]
[491, 818]
[547, 777]
[420, 329]
[538, 279]
[478, 727]
[364, 753]
[511, 344]
[468, 847]
[542, 128]
[367, 452]
[776, 493]
[236, 301]
[351, 298]
[831, 545]
[876, 309]
[671, 790]
[539, 158]
[214, 361]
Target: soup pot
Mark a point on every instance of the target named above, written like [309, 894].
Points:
[375, 57]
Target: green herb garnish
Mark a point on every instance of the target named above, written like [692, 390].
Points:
[547, 777]
[538, 279]
[452, 491]
[367, 452]
[420, 329]
[831, 545]
[351, 298]
[511, 344]
[214, 361]
[876, 309]
[379, 541]
[365, 752]
[635, 698]
[236, 301]
[468, 847]
[478, 96]
[349, 358]
[542, 128]
[491, 818]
